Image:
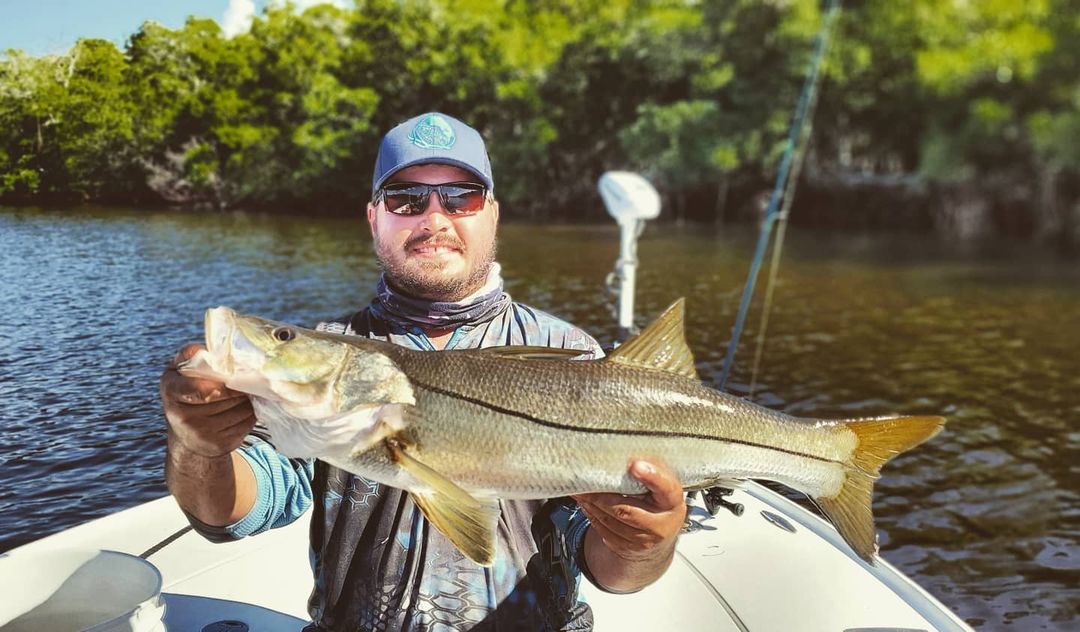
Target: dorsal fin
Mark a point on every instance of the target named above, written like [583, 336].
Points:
[531, 352]
[662, 345]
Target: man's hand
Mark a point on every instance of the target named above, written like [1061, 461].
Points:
[207, 422]
[205, 417]
[631, 540]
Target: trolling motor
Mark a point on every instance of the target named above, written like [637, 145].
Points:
[631, 200]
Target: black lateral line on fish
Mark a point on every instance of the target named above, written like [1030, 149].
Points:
[607, 431]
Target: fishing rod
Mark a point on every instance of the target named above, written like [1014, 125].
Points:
[798, 135]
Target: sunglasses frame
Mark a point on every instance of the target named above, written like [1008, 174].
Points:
[417, 204]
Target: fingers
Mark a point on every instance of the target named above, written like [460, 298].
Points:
[664, 493]
[606, 499]
[175, 387]
[665, 490]
[185, 353]
[223, 412]
[635, 527]
[231, 435]
[627, 516]
[211, 408]
[205, 416]
[211, 435]
[621, 522]
[218, 413]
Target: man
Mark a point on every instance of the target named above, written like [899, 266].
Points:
[377, 563]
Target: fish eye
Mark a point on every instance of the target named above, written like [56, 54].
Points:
[283, 334]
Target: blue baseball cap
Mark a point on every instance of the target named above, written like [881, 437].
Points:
[432, 138]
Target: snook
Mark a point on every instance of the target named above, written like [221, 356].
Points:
[461, 429]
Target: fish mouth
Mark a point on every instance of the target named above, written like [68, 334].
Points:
[215, 362]
[231, 343]
[236, 348]
[219, 323]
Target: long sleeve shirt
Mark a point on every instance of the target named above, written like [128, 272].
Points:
[379, 565]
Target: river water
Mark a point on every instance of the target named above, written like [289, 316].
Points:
[986, 516]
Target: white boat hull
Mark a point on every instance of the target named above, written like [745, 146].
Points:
[730, 573]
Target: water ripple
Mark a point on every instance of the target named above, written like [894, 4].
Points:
[986, 516]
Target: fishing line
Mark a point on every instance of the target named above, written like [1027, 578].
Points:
[781, 231]
[799, 122]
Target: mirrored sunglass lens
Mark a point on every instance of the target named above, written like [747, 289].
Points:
[412, 200]
[407, 200]
[463, 199]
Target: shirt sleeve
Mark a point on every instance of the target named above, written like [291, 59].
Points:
[283, 489]
[578, 339]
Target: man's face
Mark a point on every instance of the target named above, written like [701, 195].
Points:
[435, 255]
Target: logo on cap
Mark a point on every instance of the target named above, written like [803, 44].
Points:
[433, 132]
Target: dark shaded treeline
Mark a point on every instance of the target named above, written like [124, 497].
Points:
[934, 115]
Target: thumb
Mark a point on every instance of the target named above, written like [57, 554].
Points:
[663, 484]
[185, 353]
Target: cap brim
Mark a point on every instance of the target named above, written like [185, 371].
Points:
[437, 160]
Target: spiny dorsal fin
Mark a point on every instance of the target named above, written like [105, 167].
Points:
[528, 352]
[661, 346]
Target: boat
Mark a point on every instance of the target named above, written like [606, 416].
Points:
[749, 558]
[776, 566]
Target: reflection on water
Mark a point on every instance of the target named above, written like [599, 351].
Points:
[986, 516]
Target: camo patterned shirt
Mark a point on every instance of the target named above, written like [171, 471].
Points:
[379, 565]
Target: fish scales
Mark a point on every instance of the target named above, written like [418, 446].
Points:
[461, 429]
[577, 412]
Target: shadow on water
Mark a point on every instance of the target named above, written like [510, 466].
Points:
[986, 516]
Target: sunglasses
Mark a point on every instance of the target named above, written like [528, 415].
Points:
[411, 198]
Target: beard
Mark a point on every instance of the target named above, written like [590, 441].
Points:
[429, 279]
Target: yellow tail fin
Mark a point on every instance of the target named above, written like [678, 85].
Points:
[877, 442]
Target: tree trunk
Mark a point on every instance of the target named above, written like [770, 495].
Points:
[964, 212]
[721, 199]
[1056, 217]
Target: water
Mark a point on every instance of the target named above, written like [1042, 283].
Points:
[986, 516]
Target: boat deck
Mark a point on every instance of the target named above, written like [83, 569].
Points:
[731, 573]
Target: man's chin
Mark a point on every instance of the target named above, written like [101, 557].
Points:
[435, 269]
[435, 283]
[435, 280]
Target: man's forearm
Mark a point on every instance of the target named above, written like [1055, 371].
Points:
[216, 490]
[620, 575]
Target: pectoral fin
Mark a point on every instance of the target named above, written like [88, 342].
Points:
[466, 521]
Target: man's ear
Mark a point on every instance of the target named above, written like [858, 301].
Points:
[371, 217]
[495, 210]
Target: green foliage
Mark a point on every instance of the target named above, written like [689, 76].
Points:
[697, 94]
[970, 42]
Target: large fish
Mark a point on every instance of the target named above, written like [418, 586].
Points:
[460, 429]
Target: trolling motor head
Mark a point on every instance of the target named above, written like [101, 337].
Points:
[631, 200]
[629, 197]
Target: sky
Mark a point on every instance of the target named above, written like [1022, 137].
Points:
[41, 27]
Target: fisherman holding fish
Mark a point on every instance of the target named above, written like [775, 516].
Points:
[377, 562]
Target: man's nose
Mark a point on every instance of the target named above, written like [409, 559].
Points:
[434, 217]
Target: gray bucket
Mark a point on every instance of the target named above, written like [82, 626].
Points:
[70, 590]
